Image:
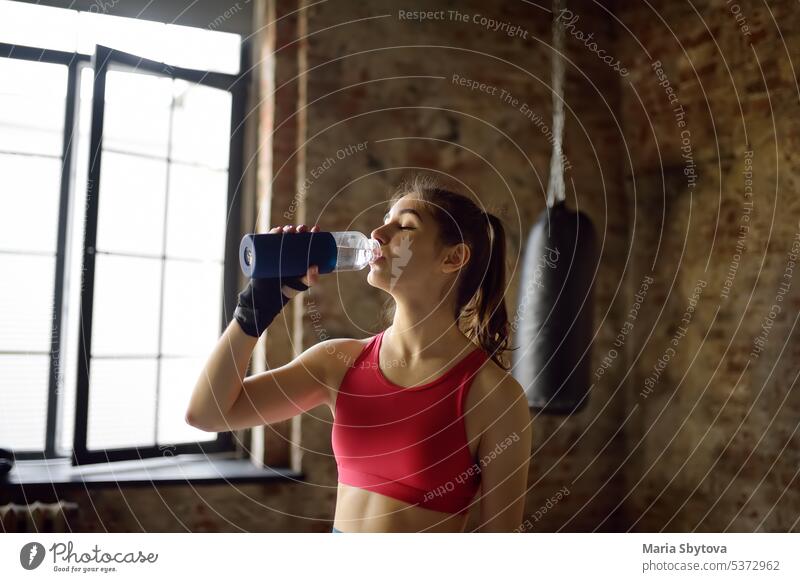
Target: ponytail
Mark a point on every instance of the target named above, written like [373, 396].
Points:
[486, 315]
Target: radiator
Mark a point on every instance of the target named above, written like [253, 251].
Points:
[38, 517]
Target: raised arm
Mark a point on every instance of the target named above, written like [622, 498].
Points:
[277, 394]
[222, 381]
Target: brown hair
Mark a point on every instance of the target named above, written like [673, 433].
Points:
[480, 293]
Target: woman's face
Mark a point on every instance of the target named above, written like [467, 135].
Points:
[412, 260]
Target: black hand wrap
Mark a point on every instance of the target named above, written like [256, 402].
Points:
[261, 300]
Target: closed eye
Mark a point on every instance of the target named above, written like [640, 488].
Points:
[402, 227]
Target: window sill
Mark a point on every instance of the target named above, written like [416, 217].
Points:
[178, 470]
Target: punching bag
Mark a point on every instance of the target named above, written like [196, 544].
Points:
[552, 361]
[555, 310]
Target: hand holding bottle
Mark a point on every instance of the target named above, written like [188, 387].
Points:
[286, 252]
[312, 275]
[263, 298]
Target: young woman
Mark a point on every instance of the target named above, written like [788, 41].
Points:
[427, 420]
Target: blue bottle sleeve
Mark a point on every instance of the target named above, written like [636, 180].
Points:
[270, 255]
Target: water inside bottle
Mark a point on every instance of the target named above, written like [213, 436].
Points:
[352, 258]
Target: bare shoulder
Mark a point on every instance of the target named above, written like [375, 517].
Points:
[332, 358]
[496, 383]
[495, 393]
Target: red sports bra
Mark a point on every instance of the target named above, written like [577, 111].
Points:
[406, 443]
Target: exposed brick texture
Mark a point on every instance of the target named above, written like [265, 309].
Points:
[714, 446]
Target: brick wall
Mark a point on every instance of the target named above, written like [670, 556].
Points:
[713, 441]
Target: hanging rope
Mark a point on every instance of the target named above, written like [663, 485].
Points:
[555, 187]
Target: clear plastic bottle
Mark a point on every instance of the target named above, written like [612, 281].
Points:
[290, 254]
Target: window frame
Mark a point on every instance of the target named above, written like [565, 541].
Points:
[236, 84]
[72, 61]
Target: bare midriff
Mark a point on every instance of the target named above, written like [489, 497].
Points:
[359, 510]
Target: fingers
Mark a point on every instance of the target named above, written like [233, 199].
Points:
[310, 279]
[312, 276]
[293, 228]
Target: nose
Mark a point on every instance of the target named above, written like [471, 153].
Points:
[378, 235]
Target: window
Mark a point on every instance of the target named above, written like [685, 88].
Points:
[118, 229]
[32, 106]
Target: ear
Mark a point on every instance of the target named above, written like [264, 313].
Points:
[456, 258]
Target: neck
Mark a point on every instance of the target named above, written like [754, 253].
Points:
[420, 330]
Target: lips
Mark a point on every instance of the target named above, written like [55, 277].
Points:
[378, 259]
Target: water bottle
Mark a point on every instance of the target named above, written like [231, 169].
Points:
[290, 254]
